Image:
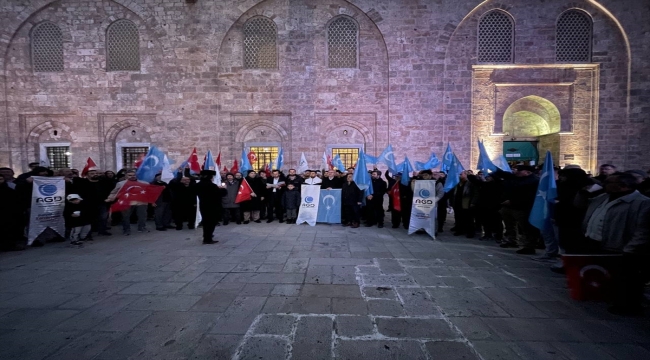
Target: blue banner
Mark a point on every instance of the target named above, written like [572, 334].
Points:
[329, 209]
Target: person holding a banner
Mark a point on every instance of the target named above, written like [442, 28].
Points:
[351, 197]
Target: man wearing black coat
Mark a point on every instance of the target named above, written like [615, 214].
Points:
[209, 204]
[351, 197]
[375, 201]
[331, 181]
[183, 202]
[519, 198]
[274, 187]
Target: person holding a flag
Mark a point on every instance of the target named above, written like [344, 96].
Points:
[251, 208]
[231, 209]
[128, 189]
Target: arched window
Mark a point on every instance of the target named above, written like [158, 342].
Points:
[122, 46]
[47, 48]
[496, 33]
[260, 44]
[342, 43]
[573, 37]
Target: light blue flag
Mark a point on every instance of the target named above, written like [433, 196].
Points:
[338, 163]
[329, 209]
[430, 164]
[484, 162]
[181, 169]
[387, 157]
[371, 159]
[244, 164]
[210, 164]
[453, 176]
[447, 159]
[540, 215]
[406, 170]
[501, 162]
[361, 176]
[279, 160]
[152, 164]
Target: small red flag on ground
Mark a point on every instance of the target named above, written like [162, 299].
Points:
[193, 162]
[135, 191]
[244, 193]
[89, 165]
[394, 193]
[235, 167]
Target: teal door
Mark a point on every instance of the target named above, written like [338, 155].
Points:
[521, 151]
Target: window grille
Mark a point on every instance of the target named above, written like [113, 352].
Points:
[349, 156]
[342, 43]
[260, 48]
[132, 154]
[495, 38]
[122, 46]
[573, 37]
[59, 157]
[47, 48]
[265, 155]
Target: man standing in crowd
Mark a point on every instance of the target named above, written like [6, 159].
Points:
[618, 222]
[11, 221]
[8, 175]
[93, 189]
[604, 171]
[519, 198]
[209, 203]
[230, 208]
[375, 201]
[274, 187]
[140, 208]
[464, 198]
[331, 181]
[313, 179]
[183, 202]
[251, 208]
[163, 212]
[299, 179]
[351, 197]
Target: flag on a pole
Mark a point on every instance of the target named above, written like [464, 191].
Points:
[361, 176]
[193, 162]
[235, 166]
[453, 176]
[484, 162]
[371, 159]
[338, 163]
[225, 169]
[245, 163]
[252, 157]
[134, 191]
[501, 162]
[267, 169]
[210, 164]
[89, 165]
[394, 194]
[279, 161]
[540, 215]
[406, 170]
[429, 164]
[327, 161]
[218, 161]
[387, 157]
[167, 174]
[137, 163]
[244, 193]
[302, 164]
[151, 165]
[447, 159]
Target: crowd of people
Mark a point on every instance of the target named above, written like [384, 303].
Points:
[605, 214]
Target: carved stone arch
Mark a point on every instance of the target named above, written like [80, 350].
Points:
[66, 33]
[115, 130]
[54, 130]
[240, 137]
[363, 130]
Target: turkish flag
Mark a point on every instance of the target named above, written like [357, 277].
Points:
[205, 157]
[138, 162]
[218, 161]
[235, 167]
[252, 157]
[193, 162]
[89, 164]
[394, 194]
[225, 169]
[135, 191]
[267, 169]
[329, 162]
[244, 193]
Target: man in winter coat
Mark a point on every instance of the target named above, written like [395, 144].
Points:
[231, 209]
[163, 211]
[274, 187]
[251, 208]
[375, 201]
[351, 197]
[209, 204]
[519, 196]
[291, 203]
[183, 193]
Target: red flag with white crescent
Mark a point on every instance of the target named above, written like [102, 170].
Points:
[90, 164]
[193, 162]
[135, 191]
[244, 193]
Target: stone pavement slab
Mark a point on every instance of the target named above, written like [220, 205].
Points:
[277, 290]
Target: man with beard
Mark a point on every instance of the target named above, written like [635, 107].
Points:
[375, 201]
[274, 187]
[251, 208]
[331, 181]
[209, 202]
[93, 189]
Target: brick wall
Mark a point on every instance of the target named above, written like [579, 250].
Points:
[415, 85]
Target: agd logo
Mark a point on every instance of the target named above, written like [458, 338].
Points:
[424, 195]
[309, 202]
[47, 190]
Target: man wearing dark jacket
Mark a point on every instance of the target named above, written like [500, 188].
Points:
[351, 197]
[375, 201]
[231, 209]
[209, 204]
[94, 189]
[331, 181]
[274, 187]
[519, 197]
[163, 211]
[183, 202]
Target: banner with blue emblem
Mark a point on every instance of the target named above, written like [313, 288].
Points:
[48, 202]
[423, 210]
[310, 199]
[329, 209]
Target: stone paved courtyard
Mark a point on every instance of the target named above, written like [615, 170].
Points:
[277, 291]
